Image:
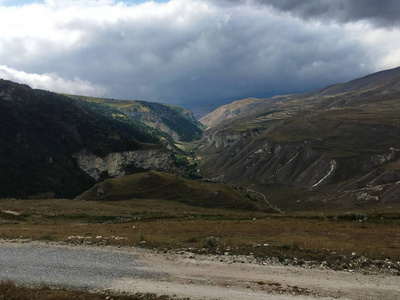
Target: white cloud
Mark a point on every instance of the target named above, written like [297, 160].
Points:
[184, 51]
[385, 44]
[52, 82]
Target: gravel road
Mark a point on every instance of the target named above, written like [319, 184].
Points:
[183, 274]
[82, 267]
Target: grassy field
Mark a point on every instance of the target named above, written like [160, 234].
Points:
[163, 225]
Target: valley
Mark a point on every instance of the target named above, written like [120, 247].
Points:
[304, 181]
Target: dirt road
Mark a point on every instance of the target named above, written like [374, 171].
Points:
[183, 274]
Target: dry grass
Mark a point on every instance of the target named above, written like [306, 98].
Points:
[60, 211]
[11, 291]
[168, 225]
[158, 185]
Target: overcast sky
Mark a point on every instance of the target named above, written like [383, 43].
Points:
[194, 52]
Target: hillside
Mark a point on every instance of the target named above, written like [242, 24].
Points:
[230, 110]
[48, 139]
[338, 95]
[339, 144]
[178, 122]
[157, 185]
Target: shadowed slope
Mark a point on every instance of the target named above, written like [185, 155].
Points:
[40, 132]
[158, 185]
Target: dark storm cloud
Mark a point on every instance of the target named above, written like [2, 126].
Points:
[380, 13]
[185, 52]
[222, 55]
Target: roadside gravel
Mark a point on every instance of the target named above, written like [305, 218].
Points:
[184, 274]
[82, 267]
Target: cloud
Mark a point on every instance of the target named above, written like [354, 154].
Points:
[189, 52]
[52, 82]
[380, 13]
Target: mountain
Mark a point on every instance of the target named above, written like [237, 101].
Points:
[55, 146]
[178, 122]
[230, 110]
[158, 185]
[334, 147]
[332, 96]
[338, 145]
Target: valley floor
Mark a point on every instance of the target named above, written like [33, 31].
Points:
[183, 274]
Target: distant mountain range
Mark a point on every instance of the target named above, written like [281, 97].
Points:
[336, 95]
[339, 144]
[334, 147]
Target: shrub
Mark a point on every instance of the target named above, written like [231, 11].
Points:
[211, 242]
[351, 216]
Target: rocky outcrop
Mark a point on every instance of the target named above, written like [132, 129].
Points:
[224, 139]
[117, 164]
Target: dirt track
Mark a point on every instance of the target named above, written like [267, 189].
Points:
[201, 277]
[184, 274]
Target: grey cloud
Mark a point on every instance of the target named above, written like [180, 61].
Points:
[227, 54]
[204, 63]
[380, 13]
[248, 56]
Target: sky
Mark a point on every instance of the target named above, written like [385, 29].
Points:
[195, 52]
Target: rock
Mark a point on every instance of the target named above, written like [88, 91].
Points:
[363, 196]
[115, 163]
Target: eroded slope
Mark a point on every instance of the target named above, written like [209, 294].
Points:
[313, 141]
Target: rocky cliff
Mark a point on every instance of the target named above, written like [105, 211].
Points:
[118, 164]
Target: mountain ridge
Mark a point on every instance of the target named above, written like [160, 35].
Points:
[313, 141]
[339, 145]
[237, 107]
[41, 131]
[177, 122]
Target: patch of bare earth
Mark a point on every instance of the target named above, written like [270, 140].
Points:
[206, 277]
